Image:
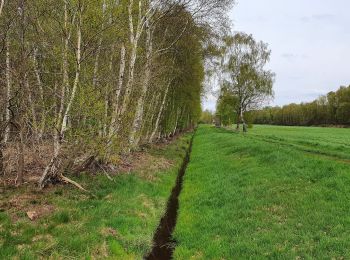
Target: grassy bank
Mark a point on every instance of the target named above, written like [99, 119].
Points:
[117, 220]
[277, 192]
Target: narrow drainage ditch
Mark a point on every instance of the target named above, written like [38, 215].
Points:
[163, 242]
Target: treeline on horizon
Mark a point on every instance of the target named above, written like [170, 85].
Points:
[87, 78]
[330, 109]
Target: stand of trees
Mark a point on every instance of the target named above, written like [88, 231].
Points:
[93, 78]
[207, 117]
[331, 109]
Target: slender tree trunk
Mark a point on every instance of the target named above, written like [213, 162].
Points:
[2, 168]
[151, 113]
[20, 149]
[138, 117]
[176, 121]
[130, 82]
[160, 112]
[105, 122]
[76, 80]
[115, 111]
[108, 88]
[96, 65]
[134, 39]
[52, 169]
[22, 85]
[8, 92]
[243, 122]
[32, 107]
[1, 6]
[98, 51]
[41, 91]
[238, 121]
[65, 83]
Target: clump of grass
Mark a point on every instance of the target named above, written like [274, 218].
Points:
[61, 217]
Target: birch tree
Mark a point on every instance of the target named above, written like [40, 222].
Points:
[246, 78]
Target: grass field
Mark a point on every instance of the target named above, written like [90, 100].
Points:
[276, 192]
[116, 221]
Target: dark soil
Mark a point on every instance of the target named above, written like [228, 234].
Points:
[163, 242]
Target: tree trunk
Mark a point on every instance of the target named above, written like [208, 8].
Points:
[160, 112]
[32, 107]
[8, 92]
[2, 167]
[176, 121]
[115, 110]
[51, 171]
[98, 51]
[65, 82]
[134, 39]
[1, 6]
[76, 81]
[2, 146]
[243, 122]
[20, 151]
[238, 120]
[41, 91]
[138, 118]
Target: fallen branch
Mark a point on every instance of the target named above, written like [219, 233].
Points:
[67, 180]
[105, 172]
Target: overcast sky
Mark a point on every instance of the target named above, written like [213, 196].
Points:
[310, 43]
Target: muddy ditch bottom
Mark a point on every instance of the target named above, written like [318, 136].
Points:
[164, 244]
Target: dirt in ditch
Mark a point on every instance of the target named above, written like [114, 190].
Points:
[163, 242]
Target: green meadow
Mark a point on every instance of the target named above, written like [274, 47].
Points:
[272, 193]
[275, 192]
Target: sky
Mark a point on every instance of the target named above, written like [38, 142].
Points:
[310, 43]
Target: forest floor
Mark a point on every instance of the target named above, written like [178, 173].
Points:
[275, 192]
[115, 219]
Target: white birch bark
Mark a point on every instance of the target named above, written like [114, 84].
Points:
[134, 40]
[160, 112]
[115, 112]
[65, 82]
[138, 117]
[52, 168]
[76, 80]
[2, 6]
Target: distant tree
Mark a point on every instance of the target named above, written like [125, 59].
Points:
[245, 76]
[226, 107]
[207, 117]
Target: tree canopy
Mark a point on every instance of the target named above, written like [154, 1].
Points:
[100, 78]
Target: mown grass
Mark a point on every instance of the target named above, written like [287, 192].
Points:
[245, 197]
[116, 221]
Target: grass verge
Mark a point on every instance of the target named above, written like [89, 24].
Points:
[116, 221]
